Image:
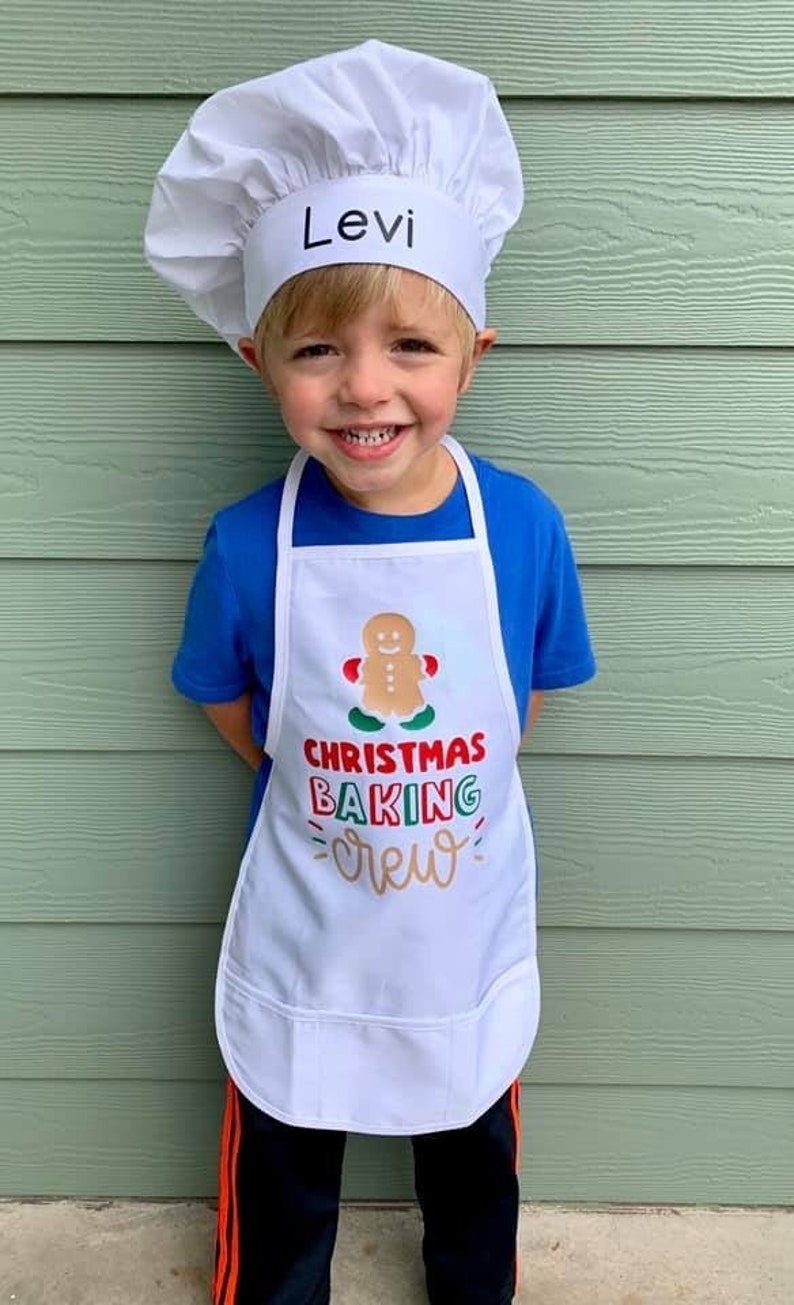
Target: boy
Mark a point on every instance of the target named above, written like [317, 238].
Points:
[365, 634]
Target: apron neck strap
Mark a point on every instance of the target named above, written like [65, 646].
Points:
[297, 467]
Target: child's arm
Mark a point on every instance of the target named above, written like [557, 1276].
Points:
[232, 720]
[535, 704]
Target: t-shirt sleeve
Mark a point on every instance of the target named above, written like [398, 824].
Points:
[563, 655]
[212, 663]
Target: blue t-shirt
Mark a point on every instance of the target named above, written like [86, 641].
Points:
[227, 644]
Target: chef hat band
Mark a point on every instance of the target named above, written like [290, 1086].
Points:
[366, 219]
[370, 155]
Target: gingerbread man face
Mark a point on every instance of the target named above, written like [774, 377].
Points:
[389, 635]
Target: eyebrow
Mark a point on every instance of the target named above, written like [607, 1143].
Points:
[412, 328]
[304, 334]
[393, 324]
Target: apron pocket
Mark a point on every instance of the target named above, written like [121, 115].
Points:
[384, 1077]
[271, 1056]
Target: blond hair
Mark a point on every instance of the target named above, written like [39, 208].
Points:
[327, 298]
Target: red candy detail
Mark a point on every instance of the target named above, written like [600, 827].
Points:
[350, 669]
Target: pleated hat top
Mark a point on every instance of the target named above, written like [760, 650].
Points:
[375, 154]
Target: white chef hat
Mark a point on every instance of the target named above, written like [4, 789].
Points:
[369, 155]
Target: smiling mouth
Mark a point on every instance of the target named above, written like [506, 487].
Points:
[369, 438]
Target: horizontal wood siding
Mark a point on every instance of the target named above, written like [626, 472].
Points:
[663, 224]
[674, 48]
[643, 1007]
[693, 661]
[644, 843]
[658, 457]
[644, 378]
[623, 1144]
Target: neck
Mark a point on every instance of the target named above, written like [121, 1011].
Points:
[434, 480]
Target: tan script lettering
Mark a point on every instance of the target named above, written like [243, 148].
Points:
[395, 867]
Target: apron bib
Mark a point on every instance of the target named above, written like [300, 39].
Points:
[378, 968]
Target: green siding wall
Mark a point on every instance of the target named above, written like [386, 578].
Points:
[645, 379]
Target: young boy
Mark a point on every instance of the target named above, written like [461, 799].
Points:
[366, 634]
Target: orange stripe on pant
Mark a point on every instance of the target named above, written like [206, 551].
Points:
[227, 1245]
[515, 1110]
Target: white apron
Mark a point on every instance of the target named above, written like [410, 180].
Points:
[378, 967]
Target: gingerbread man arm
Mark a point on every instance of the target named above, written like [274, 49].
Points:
[351, 669]
[430, 664]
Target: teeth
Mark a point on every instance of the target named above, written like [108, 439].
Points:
[352, 436]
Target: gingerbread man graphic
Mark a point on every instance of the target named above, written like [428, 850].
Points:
[390, 674]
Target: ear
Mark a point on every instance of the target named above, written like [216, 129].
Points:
[483, 341]
[247, 351]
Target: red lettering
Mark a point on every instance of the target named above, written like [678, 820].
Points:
[414, 756]
[431, 755]
[383, 804]
[329, 755]
[386, 763]
[408, 752]
[457, 750]
[436, 801]
[322, 798]
[379, 758]
[349, 754]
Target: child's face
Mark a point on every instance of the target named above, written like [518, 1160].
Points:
[372, 400]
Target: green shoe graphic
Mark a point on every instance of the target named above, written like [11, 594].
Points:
[421, 720]
[360, 721]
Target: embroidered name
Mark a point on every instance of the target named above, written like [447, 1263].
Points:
[355, 224]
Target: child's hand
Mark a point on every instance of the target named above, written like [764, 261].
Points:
[232, 720]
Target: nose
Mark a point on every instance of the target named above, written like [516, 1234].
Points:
[365, 379]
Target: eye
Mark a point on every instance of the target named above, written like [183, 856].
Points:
[414, 344]
[313, 351]
[395, 634]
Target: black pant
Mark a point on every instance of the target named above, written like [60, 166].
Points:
[279, 1208]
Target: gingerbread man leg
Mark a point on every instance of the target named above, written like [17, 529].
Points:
[361, 721]
[421, 720]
